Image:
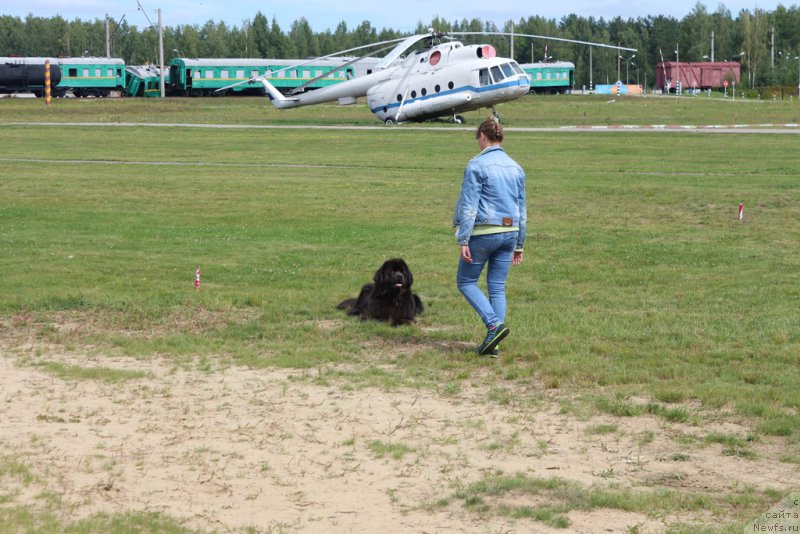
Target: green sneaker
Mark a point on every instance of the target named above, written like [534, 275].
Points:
[493, 337]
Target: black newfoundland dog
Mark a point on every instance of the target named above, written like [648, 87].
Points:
[389, 298]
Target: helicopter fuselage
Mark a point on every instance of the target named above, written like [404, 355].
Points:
[444, 80]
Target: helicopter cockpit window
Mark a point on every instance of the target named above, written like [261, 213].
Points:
[484, 78]
[496, 74]
[516, 67]
[507, 70]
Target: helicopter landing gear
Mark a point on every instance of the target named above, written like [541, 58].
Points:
[389, 122]
[458, 119]
[495, 115]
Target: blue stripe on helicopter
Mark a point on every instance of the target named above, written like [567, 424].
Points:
[451, 92]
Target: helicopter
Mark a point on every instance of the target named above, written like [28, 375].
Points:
[443, 78]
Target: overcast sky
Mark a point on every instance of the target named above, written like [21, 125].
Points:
[322, 15]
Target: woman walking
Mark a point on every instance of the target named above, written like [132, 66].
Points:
[490, 220]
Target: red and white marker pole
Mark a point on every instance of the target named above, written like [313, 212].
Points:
[741, 212]
[197, 279]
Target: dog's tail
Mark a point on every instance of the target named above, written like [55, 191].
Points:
[348, 305]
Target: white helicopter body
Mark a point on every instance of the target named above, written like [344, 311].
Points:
[447, 79]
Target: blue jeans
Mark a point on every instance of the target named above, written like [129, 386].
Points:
[496, 250]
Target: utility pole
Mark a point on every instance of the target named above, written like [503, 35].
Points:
[772, 49]
[108, 37]
[712, 46]
[161, 53]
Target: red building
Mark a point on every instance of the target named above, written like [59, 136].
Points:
[701, 75]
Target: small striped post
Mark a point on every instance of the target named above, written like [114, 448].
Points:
[47, 93]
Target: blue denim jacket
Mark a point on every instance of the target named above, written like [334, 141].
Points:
[493, 192]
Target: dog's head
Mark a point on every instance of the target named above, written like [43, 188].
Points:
[394, 275]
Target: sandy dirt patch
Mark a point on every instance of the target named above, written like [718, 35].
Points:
[233, 448]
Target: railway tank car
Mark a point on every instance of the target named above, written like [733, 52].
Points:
[21, 75]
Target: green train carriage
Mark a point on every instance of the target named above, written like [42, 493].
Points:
[551, 76]
[91, 76]
[144, 80]
[195, 77]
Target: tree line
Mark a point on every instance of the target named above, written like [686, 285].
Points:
[766, 43]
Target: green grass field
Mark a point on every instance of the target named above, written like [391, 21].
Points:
[638, 280]
[541, 111]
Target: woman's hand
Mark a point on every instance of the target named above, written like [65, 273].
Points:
[466, 255]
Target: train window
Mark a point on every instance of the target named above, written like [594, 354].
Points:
[240, 74]
[223, 74]
[483, 76]
[507, 70]
[496, 74]
[73, 73]
[85, 73]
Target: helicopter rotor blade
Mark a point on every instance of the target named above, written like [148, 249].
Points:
[407, 42]
[254, 79]
[549, 38]
[337, 69]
